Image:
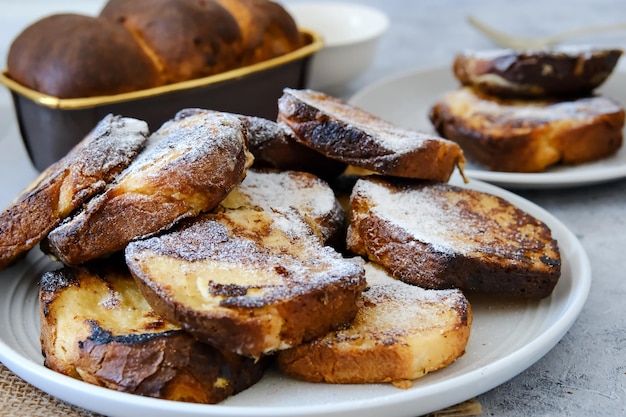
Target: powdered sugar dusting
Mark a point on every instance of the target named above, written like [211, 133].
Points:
[377, 276]
[113, 142]
[455, 221]
[276, 252]
[427, 219]
[111, 300]
[394, 138]
[286, 189]
[392, 308]
[519, 112]
[290, 190]
[195, 159]
[192, 137]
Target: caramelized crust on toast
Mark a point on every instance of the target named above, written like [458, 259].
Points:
[401, 333]
[65, 185]
[285, 190]
[529, 135]
[274, 146]
[251, 279]
[351, 135]
[437, 235]
[189, 166]
[558, 71]
[96, 326]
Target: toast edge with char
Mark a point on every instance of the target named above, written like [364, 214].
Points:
[96, 326]
[401, 333]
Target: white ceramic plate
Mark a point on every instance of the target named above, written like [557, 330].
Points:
[406, 100]
[507, 337]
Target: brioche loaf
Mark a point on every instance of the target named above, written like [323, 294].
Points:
[401, 333]
[273, 146]
[97, 327]
[139, 44]
[189, 165]
[438, 235]
[252, 277]
[529, 135]
[267, 29]
[184, 39]
[557, 71]
[71, 55]
[64, 186]
[351, 135]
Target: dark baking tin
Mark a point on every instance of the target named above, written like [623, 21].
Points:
[51, 126]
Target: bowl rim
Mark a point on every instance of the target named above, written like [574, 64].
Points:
[316, 43]
[383, 20]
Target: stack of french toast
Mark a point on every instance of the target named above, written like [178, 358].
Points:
[328, 244]
[527, 111]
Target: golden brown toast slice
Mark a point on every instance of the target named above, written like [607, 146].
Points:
[96, 326]
[64, 186]
[401, 333]
[309, 195]
[551, 72]
[190, 164]
[438, 235]
[529, 135]
[353, 136]
[249, 278]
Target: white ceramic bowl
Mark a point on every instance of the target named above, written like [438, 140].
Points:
[350, 33]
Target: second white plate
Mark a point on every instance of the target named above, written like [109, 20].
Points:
[406, 100]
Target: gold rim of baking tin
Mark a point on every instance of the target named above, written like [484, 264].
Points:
[83, 102]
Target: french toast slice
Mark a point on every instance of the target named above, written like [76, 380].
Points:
[189, 165]
[349, 134]
[273, 146]
[529, 135]
[96, 326]
[401, 333]
[251, 278]
[438, 235]
[312, 197]
[68, 183]
[552, 72]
